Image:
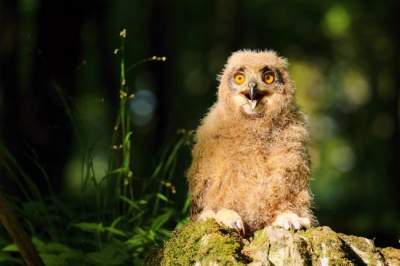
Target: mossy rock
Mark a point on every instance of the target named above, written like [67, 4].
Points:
[202, 243]
[392, 256]
[206, 243]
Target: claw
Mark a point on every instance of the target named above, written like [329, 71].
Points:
[290, 220]
[230, 219]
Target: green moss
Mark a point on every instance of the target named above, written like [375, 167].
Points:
[259, 238]
[258, 242]
[325, 245]
[202, 242]
[219, 248]
[257, 247]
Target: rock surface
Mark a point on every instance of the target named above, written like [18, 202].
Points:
[206, 243]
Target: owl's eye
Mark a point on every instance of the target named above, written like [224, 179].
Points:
[239, 78]
[269, 77]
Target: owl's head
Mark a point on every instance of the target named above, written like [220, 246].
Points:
[255, 84]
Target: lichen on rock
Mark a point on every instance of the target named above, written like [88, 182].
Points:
[277, 246]
[207, 243]
[392, 256]
[326, 248]
[364, 248]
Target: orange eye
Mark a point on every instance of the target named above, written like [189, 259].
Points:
[239, 78]
[269, 77]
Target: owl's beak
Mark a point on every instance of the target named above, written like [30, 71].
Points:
[253, 104]
[253, 94]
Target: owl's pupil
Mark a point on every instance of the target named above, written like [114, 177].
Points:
[239, 78]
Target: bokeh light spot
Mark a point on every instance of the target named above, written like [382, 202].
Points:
[337, 21]
[308, 82]
[342, 158]
[143, 106]
[356, 88]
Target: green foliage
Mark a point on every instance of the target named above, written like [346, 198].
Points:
[117, 218]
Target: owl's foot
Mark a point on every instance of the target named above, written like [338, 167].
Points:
[230, 219]
[290, 220]
[225, 217]
[205, 215]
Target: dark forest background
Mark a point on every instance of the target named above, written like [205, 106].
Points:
[344, 58]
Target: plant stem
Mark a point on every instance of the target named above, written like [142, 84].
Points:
[19, 236]
[124, 121]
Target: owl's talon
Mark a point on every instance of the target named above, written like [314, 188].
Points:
[290, 220]
[230, 219]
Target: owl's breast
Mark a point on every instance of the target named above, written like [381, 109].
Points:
[237, 165]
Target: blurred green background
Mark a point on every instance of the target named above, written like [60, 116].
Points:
[343, 58]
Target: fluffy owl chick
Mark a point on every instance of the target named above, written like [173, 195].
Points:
[250, 164]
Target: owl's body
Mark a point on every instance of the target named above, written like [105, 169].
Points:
[250, 154]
